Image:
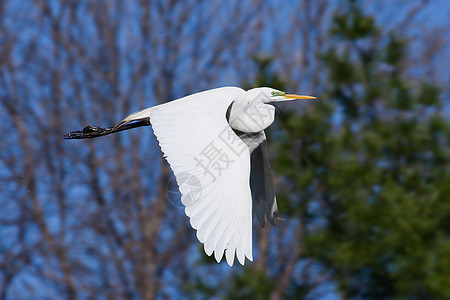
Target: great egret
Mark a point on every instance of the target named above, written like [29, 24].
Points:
[214, 142]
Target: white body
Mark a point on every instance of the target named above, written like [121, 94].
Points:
[210, 157]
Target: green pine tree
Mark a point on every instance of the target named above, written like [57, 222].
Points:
[367, 168]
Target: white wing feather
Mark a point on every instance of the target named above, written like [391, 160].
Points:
[202, 149]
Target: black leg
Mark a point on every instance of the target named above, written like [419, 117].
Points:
[90, 132]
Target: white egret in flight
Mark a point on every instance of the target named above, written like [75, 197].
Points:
[214, 142]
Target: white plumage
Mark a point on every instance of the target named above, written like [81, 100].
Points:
[222, 212]
[215, 141]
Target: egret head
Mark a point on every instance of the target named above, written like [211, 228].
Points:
[256, 112]
[270, 95]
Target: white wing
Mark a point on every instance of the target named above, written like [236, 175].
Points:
[212, 168]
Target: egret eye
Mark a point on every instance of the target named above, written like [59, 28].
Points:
[274, 93]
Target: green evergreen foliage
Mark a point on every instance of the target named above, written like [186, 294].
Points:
[367, 167]
[265, 76]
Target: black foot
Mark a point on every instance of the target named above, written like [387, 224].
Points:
[88, 132]
[94, 130]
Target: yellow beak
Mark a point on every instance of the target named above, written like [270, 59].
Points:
[296, 97]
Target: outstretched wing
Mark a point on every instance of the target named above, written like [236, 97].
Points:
[212, 168]
[261, 178]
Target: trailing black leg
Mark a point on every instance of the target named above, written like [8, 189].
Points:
[90, 132]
